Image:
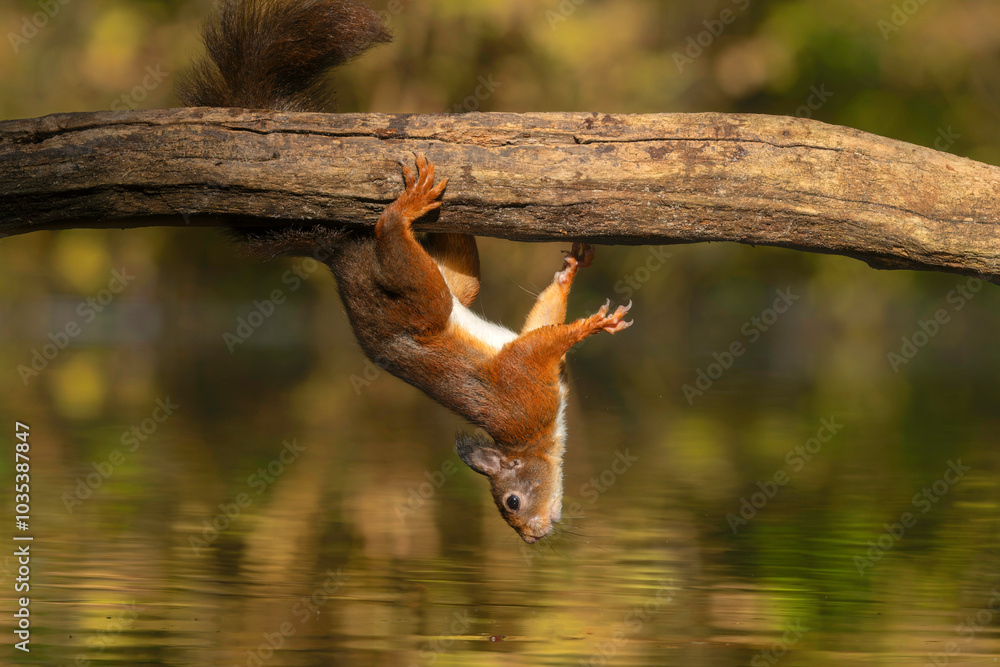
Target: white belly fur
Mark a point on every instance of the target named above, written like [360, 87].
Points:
[493, 335]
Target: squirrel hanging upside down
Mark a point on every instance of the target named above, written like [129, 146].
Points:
[408, 299]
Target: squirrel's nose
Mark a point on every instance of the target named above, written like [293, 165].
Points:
[535, 529]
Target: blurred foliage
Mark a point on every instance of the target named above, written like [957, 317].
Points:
[933, 81]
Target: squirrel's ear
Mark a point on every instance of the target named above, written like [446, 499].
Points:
[477, 452]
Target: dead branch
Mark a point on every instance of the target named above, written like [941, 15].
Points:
[656, 178]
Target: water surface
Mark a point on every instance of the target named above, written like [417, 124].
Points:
[807, 501]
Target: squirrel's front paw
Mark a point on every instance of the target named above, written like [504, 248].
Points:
[611, 323]
[421, 194]
[579, 257]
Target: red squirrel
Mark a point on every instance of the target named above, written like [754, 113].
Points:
[408, 299]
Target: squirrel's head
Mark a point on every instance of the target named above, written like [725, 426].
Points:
[527, 487]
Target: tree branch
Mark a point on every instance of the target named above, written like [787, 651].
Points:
[658, 178]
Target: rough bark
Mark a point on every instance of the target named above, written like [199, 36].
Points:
[657, 178]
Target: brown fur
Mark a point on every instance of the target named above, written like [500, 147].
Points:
[398, 297]
[400, 306]
[273, 54]
[399, 293]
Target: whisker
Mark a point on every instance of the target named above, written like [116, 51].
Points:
[552, 547]
[567, 530]
[532, 293]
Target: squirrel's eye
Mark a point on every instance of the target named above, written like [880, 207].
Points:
[513, 503]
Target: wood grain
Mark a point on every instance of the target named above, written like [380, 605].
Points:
[651, 178]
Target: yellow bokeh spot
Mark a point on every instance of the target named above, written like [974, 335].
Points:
[82, 260]
[79, 386]
[114, 43]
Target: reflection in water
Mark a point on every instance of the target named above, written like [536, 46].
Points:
[284, 504]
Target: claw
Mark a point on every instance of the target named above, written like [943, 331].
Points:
[618, 326]
[439, 188]
[579, 256]
[421, 194]
[581, 253]
[584, 254]
[426, 173]
[613, 323]
[620, 312]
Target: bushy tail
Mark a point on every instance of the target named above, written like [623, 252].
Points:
[273, 54]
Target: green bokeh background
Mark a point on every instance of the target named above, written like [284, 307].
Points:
[925, 73]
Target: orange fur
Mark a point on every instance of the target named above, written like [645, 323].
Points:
[458, 259]
[406, 302]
